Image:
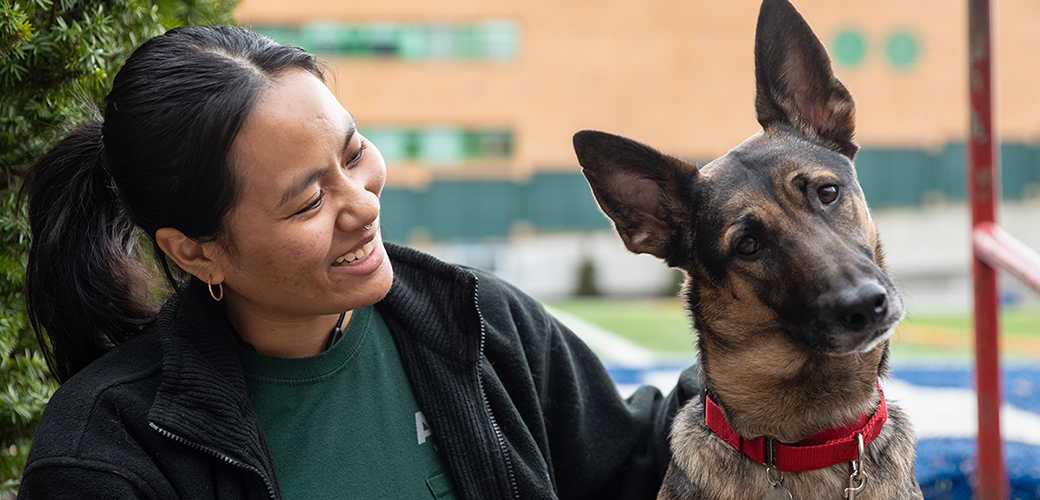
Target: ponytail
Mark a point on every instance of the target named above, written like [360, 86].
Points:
[85, 288]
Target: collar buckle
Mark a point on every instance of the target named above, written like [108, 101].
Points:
[858, 478]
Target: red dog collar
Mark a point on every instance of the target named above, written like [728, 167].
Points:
[829, 447]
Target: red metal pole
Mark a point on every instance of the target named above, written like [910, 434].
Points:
[1002, 251]
[983, 182]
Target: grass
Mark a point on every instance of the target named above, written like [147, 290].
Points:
[662, 325]
[657, 324]
[1020, 333]
[1016, 321]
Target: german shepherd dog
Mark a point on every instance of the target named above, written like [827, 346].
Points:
[785, 286]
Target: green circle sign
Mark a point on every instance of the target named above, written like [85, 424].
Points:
[850, 47]
[903, 49]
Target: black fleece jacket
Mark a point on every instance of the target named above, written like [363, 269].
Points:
[521, 408]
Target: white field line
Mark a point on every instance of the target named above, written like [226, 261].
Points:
[952, 412]
[613, 349]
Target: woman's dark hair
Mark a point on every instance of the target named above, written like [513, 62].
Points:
[160, 158]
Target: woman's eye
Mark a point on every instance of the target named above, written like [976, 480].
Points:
[748, 246]
[359, 153]
[312, 205]
[828, 194]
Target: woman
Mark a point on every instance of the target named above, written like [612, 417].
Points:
[302, 357]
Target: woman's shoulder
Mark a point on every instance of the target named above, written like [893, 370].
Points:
[139, 358]
[115, 388]
[94, 437]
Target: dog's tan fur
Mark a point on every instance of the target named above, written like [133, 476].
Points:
[792, 328]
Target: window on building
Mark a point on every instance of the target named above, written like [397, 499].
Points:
[492, 40]
[440, 146]
[393, 144]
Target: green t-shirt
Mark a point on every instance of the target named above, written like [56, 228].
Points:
[344, 423]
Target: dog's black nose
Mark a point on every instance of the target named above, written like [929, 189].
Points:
[861, 305]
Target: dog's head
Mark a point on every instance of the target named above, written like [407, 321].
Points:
[775, 236]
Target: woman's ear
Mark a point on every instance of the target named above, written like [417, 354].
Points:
[197, 258]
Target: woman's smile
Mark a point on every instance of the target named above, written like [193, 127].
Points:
[352, 258]
[364, 260]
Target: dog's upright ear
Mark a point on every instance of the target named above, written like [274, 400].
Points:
[795, 84]
[641, 189]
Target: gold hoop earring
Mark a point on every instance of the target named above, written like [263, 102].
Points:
[220, 287]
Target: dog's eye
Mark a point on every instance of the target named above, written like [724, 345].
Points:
[748, 246]
[828, 194]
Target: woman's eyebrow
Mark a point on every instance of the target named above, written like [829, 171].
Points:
[305, 179]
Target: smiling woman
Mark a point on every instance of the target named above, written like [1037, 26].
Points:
[299, 356]
[299, 254]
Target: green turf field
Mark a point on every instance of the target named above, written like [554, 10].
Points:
[1021, 321]
[657, 324]
[662, 325]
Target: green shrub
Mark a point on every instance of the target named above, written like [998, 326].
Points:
[57, 61]
[25, 384]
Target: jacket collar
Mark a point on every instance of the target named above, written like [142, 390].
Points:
[434, 303]
[201, 396]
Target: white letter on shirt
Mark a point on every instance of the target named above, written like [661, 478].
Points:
[421, 429]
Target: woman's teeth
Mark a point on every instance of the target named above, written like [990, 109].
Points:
[352, 257]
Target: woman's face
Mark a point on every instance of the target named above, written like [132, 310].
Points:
[305, 233]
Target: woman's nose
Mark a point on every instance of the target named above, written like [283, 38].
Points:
[359, 208]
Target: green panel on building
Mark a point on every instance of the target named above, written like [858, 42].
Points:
[1020, 167]
[561, 201]
[469, 209]
[951, 164]
[399, 213]
[894, 176]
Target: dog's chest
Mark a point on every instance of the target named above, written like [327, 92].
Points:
[828, 483]
[777, 491]
[753, 482]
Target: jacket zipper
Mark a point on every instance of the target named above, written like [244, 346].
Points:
[211, 451]
[483, 395]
